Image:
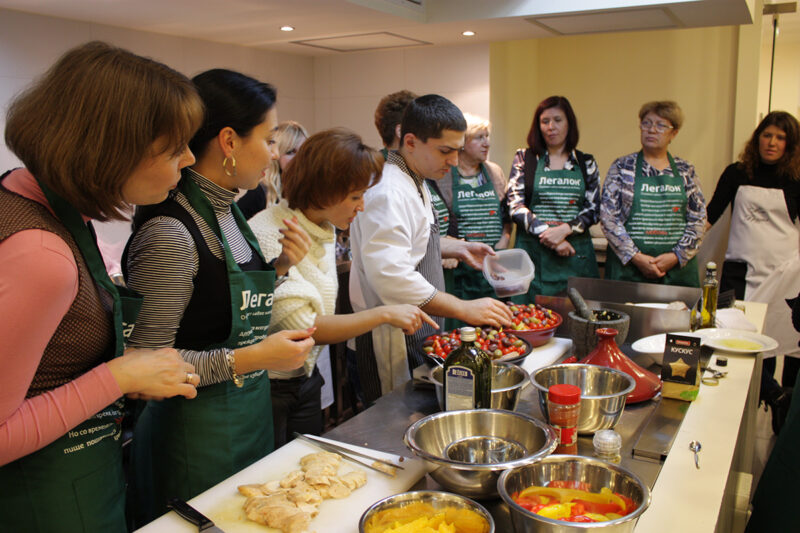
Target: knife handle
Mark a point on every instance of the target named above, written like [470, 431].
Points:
[190, 513]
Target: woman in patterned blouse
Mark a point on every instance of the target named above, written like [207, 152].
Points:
[652, 211]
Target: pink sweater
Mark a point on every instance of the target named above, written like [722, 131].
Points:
[38, 282]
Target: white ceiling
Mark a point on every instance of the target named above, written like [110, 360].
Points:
[257, 23]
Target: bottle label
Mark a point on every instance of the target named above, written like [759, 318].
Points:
[567, 435]
[460, 388]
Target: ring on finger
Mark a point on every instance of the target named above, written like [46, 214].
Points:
[189, 376]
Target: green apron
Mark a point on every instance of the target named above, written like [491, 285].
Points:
[183, 447]
[557, 197]
[477, 212]
[656, 223]
[76, 483]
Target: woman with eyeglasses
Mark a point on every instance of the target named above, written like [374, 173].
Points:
[652, 210]
[553, 194]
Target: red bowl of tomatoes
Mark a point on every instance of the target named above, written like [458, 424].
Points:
[533, 323]
[499, 344]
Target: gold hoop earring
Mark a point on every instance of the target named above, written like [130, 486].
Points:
[233, 166]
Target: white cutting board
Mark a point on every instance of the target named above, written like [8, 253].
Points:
[223, 503]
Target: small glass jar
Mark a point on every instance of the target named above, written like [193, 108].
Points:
[563, 408]
[607, 445]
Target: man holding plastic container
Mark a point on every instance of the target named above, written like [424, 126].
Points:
[397, 251]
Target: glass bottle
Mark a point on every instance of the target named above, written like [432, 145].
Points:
[563, 411]
[710, 293]
[467, 375]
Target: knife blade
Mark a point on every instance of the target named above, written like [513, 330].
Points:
[349, 451]
[189, 513]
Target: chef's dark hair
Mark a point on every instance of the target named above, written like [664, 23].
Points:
[789, 164]
[233, 100]
[536, 141]
[428, 116]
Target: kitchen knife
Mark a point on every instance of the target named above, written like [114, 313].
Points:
[187, 512]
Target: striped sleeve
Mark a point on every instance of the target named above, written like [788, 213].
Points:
[162, 264]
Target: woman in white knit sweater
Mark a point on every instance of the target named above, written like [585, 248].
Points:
[323, 188]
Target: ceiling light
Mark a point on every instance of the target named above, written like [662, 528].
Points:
[468, 33]
[287, 28]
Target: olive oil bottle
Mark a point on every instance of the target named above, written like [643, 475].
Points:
[710, 293]
[467, 375]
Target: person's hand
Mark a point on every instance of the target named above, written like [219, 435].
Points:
[449, 263]
[502, 244]
[473, 253]
[564, 249]
[154, 374]
[284, 350]
[486, 311]
[646, 265]
[295, 242]
[666, 262]
[409, 318]
[552, 237]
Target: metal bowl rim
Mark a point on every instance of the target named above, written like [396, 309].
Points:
[438, 493]
[631, 381]
[526, 377]
[410, 442]
[506, 497]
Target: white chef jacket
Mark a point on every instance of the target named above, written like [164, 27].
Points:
[388, 240]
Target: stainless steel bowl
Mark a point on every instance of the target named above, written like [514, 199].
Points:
[437, 499]
[596, 473]
[603, 392]
[465, 451]
[508, 380]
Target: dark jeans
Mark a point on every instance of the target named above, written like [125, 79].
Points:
[296, 406]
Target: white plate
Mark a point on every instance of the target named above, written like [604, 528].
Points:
[716, 337]
[654, 344]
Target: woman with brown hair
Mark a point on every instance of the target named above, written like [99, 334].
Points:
[763, 190]
[62, 321]
[553, 196]
[324, 189]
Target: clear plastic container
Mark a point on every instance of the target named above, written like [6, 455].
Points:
[563, 409]
[607, 445]
[509, 272]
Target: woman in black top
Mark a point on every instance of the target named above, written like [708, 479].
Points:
[763, 189]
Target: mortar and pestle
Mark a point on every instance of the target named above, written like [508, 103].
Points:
[584, 322]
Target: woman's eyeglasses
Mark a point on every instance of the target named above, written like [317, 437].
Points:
[660, 127]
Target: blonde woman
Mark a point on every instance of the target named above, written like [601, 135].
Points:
[288, 137]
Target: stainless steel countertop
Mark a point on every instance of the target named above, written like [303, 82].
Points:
[382, 426]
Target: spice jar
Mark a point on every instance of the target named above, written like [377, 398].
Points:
[607, 445]
[563, 408]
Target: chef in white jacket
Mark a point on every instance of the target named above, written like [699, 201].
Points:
[397, 252]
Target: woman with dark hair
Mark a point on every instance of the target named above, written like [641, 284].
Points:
[62, 321]
[652, 211]
[553, 194]
[208, 292]
[763, 190]
[324, 190]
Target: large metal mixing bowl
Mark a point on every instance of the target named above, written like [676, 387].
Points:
[508, 380]
[465, 451]
[603, 392]
[596, 473]
[439, 500]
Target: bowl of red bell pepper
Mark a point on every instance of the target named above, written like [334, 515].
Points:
[570, 493]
